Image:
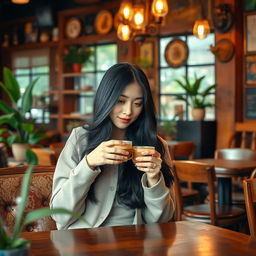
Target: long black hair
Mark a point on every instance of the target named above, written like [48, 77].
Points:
[143, 131]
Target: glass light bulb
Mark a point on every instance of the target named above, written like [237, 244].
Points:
[20, 1]
[125, 11]
[201, 29]
[123, 32]
[159, 8]
[138, 18]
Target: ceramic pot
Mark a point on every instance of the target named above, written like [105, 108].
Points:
[19, 151]
[77, 68]
[22, 251]
[198, 114]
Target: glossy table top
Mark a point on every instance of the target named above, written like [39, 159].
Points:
[228, 168]
[174, 238]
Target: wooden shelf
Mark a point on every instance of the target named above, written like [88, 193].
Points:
[76, 116]
[29, 46]
[54, 116]
[73, 74]
[75, 92]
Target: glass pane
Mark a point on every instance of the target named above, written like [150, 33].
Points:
[167, 106]
[21, 62]
[90, 65]
[42, 85]
[87, 80]
[23, 82]
[85, 105]
[167, 79]
[207, 71]
[39, 61]
[21, 71]
[99, 77]
[199, 50]
[106, 56]
[43, 69]
[163, 43]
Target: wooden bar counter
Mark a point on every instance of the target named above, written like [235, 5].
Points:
[174, 238]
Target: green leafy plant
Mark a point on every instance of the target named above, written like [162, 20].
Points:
[196, 98]
[13, 240]
[22, 130]
[77, 55]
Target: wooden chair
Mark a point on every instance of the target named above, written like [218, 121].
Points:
[185, 150]
[190, 171]
[39, 195]
[244, 136]
[236, 154]
[250, 202]
[57, 148]
[45, 156]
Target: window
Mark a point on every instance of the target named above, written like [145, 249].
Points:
[200, 62]
[28, 65]
[105, 55]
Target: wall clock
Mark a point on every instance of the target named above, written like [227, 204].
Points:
[103, 22]
[176, 53]
[73, 28]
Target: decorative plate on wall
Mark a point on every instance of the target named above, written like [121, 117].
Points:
[73, 28]
[103, 22]
[176, 53]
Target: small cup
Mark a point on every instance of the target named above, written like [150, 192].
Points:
[128, 147]
[137, 151]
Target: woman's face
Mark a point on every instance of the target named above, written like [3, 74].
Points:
[128, 107]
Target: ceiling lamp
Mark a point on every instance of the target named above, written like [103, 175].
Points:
[201, 27]
[139, 19]
[20, 1]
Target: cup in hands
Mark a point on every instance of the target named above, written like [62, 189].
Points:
[137, 151]
[127, 147]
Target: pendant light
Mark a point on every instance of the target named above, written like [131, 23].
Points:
[20, 1]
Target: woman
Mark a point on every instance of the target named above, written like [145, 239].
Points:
[94, 177]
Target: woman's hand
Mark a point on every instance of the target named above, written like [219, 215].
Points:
[107, 152]
[151, 165]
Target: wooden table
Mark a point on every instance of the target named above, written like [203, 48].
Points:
[225, 170]
[175, 238]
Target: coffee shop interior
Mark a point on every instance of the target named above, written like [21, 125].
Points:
[199, 57]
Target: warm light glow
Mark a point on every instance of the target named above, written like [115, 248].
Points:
[201, 29]
[20, 1]
[159, 8]
[125, 10]
[123, 32]
[138, 18]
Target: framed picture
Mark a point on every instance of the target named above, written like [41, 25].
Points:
[176, 53]
[146, 55]
[250, 103]
[251, 32]
[250, 69]
[249, 5]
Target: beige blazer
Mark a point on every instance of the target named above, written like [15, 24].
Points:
[73, 178]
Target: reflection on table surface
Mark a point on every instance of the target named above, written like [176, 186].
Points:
[174, 238]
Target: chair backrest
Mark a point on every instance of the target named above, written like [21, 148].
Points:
[191, 171]
[183, 149]
[39, 195]
[57, 148]
[250, 202]
[244, 136]
[236, 154]
[45, 156]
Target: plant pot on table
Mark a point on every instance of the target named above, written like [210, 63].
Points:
[77, 67]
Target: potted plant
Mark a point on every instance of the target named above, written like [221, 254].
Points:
[77, 56]
[195, 97]
[22, 130]
[12, 243]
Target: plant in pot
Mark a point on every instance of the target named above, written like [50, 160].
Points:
[22, 130]
[11, 243]
[77, 56]
[195, 96]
